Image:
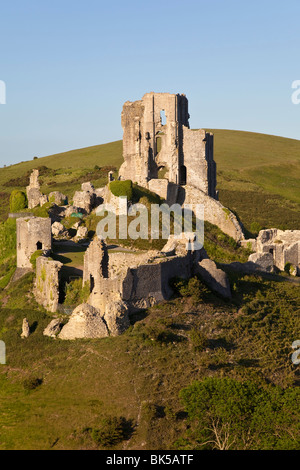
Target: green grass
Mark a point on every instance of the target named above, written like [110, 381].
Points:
[139, 375]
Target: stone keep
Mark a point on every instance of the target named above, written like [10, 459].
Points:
[150, 145]
[33, 233]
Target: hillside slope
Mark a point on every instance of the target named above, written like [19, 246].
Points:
[258, 175]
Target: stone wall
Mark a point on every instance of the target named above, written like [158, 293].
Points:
[214, 212]
[284, 245]
[47, 282]
[138, 279]
[95, 262]
[33, 233]
[149, 144]
[33, 190]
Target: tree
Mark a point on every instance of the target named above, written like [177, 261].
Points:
[229, 414]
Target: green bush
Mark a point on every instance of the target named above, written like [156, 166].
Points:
[34, 257]
[255, 228]
[76, 293]
[122, 189]
[198, 339]
[32, 383]
[17, 201]
[7, 239]
[111, 431]
[189, 288]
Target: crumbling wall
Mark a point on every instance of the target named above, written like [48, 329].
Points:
[198, 161]
[138, 279]
[215, 212]
[86, 199]
[283, 245]
[33, 233]
[47, 282]
[34, 194]
[149, 144]
[95, 262]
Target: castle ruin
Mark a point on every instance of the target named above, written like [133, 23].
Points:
[153, 146]
[33, 233]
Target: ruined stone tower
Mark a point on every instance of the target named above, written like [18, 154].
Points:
[155, 147]
[33, 233]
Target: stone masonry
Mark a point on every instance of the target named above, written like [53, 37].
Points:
[33, 233]
[33, 190]
[172, 160]
[283, 246]
[47, 282]
[150, 145]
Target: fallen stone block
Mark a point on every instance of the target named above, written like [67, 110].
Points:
[116, 318]
[53, 328]
[85, 322]
[215, 278]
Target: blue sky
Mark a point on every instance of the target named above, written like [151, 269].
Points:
[70, 65]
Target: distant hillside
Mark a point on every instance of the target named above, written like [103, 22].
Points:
[258, 175]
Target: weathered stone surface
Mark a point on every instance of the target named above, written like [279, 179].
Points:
[214, 212]
[85, 201]
[263, 260]
[33, 233]
[82, 233]
[95, 262]
[215, 278]
[43, 199]
[58, 198]
[33, 190]
[58, 229]
[25, 329]
[88, 186]
[53, 328]
[85, 322]
[47, 283]
[150, 145]
[181, 246]
[116, 317]
[69, 210]
[185, 156]
[284, 246]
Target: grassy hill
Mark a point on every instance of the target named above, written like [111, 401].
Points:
[258, 175]
[135, 391]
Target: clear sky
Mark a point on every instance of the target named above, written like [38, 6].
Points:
[69, 66]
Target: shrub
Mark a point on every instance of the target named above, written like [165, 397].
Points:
[7, 239]
[32, 383]
[189, 288]
[122, 188]
[76, 293]
[34, 257]
[111, 431]
[255, 228]
[17, 201]
[198, 339]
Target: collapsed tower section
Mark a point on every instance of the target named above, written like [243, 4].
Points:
[157, 142]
